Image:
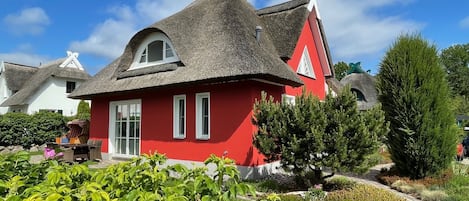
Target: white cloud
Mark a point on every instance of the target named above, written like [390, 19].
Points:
[24, 58]
[108, 39]
[356, 31]
[464, 23]
[28, 21]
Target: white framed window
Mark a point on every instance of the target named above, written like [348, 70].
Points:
[155, 49]
[305, 67]
[288, 99]
[124, 128]
[202, 112]
[179, 116]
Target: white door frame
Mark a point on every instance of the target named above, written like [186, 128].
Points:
[112, 127]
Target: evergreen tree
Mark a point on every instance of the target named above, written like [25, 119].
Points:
[83, 110]
[415, 98]
[311, 135]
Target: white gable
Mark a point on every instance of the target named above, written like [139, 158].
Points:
[305, 67]
[72, 61]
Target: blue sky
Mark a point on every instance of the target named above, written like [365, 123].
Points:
[37, 31]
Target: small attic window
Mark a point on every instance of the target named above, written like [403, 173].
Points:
[305, 67]
[154, 50]
[359, 94]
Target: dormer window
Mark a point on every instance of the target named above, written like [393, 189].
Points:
[154, 50]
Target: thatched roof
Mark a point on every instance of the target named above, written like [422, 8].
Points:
[285, 21]
[40, 76]
[364, 83]
[334, 84]
[215, 41]
[16, 75]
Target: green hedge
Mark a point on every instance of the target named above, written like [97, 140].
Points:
[25, 130]
[143, 178]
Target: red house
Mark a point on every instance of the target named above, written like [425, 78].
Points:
[185, 86]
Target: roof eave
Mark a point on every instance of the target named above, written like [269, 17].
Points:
[266, 78]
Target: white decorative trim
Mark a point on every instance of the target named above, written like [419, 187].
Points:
[288, 99]
[314, 4]
[305, 66]
[176, 117]
[112, 128]
[198, 118]
[157, 36]
[72, 61]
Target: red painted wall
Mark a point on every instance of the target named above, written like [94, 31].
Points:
[316, 86]
[99, 124]
[231, 128]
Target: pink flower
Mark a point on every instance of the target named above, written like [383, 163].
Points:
[49, 153]
[318, 186]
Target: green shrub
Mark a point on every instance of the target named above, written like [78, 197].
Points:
[269, 185]
[363, 193]
[140, 179]
[311, 134]
[457, 187]
[338, 183]
[83, 111]
[18, 174]
[15, 129]
[46, 126]
[414, 93]
[25, 130]
[437, 195]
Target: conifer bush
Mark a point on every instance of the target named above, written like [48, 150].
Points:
[310, 135]
[415, 97]
[83, 111]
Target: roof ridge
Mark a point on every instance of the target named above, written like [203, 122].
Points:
[289, 5]
[21, 65]
[53, 62]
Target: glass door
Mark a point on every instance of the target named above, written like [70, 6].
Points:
[126, 128]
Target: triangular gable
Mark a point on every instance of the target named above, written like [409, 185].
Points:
[72, 61]
[305, 67]
[320, 39]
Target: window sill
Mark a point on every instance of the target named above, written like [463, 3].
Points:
[202, 138]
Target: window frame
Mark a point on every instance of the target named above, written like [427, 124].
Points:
[177, 117]
[69, 88]
[305, 64]
[199, 119]
[288, 99]
[143, 47]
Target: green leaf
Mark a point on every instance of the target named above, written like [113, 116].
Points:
[53, 197]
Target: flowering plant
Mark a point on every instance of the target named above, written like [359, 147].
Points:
[50, 153]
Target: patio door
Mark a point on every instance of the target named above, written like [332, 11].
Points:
[124, 127]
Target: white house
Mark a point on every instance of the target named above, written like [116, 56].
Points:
[31, 89]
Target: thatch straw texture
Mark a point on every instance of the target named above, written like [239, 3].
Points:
[32, 82]
[215, 41]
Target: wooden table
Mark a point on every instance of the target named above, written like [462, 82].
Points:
[73, 151]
